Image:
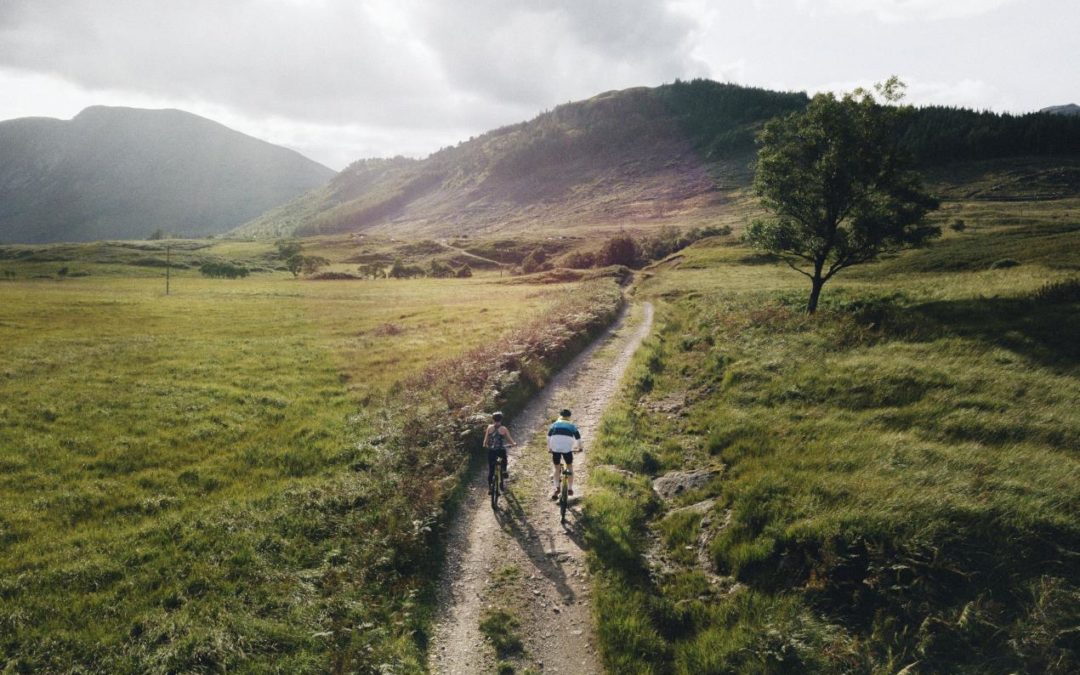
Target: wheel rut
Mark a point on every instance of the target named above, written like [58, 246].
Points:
[520, 558]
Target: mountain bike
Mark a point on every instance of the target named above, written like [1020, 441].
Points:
[564, 490]
[497, 486]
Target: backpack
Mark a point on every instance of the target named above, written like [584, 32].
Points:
[496, 441]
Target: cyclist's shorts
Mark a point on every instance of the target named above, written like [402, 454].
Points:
[567, 457]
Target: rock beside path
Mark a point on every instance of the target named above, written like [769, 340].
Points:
[674, 483]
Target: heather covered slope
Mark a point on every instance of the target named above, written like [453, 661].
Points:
[121, 173]
[638, 156]
[677, 154]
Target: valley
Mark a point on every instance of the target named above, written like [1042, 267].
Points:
[258, 450]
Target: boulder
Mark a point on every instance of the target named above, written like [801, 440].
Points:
[674, 483]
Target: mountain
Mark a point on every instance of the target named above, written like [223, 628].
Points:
[123, 173]
[1068, 109]
[680, 153]
[619, 157]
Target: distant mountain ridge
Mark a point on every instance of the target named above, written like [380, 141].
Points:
[1067, 109]
[680, 153]
[123, 173]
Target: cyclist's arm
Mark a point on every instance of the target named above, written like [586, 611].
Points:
[487, 432]
[508, 436]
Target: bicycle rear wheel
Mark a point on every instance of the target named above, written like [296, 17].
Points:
[564, 499]
[496, 486]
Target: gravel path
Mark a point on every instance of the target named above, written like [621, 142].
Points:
[521, 559]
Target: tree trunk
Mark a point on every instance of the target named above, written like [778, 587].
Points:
[816, 282]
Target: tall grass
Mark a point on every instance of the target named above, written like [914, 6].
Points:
[246, 475]
[898, 480]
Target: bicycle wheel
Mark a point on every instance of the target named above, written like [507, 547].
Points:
[496, 486]
[564, 499]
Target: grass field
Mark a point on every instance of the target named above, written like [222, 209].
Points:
[219, 479]
[895, 481]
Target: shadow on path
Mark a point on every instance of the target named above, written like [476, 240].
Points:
[548, 561]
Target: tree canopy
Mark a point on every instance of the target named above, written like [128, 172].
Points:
[838, 185]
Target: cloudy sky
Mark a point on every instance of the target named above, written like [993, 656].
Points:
[339, 80]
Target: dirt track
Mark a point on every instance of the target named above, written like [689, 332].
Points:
[522, 559]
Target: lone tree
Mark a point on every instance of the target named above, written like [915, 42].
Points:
[839, 186]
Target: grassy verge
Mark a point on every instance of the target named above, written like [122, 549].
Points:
[894, 481]
[242, 476]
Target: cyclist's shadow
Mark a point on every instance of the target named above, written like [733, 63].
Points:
[514, 521]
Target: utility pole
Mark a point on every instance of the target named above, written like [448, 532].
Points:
[168, 266]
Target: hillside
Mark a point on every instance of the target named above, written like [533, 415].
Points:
[1067, 109]
[112, 173]
[676, 154]
[624, 157]
[889, 486]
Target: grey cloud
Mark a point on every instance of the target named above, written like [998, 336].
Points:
[412, 64]
[329, 62]
[539, 53]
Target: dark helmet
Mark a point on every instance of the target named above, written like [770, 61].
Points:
[565, 412]
[497, 416]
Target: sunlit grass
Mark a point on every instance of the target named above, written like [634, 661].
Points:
[183, 476]
[898, 477]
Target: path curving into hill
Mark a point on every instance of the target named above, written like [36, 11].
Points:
[522, 559]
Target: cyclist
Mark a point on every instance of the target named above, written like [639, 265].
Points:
[563, 436]
[496, 439]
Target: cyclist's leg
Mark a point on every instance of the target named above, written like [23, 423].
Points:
[492, 457]
[503, 459]
[555, 472]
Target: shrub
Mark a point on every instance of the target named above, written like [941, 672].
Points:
[287, 249]
[311, 263]
[399, 270]
[464, 272]
[534, 262]
[669, 240]
[580, 260]
[373, 270]
[1058, 292]
[958, 225]
[1004, 263]
[223, 270]
[334, 276]
[440, 270]
[294, 264]
[619, 250]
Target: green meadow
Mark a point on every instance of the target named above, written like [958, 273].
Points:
[222, 478]
[254, 474]
[894, 481]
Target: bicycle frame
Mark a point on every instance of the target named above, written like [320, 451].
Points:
[564, 489]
